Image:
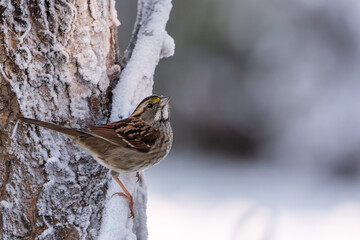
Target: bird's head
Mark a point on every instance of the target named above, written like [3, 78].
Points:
[154, 110]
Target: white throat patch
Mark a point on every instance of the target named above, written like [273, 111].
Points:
[165, 113]
[157, 116]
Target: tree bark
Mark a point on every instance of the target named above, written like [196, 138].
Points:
[58, 60]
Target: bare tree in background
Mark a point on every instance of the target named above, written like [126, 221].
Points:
[58, 62]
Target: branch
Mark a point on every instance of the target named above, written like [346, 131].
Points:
[150, 42]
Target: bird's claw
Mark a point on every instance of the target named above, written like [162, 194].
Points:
[131, 202]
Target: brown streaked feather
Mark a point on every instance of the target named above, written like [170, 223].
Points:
[107, 133]
[131, 132]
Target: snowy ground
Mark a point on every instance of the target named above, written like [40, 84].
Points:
[191, 198]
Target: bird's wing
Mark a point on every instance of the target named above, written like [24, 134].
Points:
[132, 133]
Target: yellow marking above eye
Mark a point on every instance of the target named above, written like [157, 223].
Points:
[154, 100]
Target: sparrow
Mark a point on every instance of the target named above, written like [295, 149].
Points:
[129, 145]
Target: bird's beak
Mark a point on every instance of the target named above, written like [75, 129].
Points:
[164, 101]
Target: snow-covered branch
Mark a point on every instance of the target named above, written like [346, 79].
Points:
[150, 42]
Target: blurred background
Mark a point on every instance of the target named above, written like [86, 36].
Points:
[266, 114]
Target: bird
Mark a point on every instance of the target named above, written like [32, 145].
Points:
[129, 145]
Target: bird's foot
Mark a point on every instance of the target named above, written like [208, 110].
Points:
[131, 202]
[126, 195]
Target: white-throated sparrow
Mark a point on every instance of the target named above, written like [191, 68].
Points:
[129, 145]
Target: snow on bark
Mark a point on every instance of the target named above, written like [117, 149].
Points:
[150, 42]
[54, 57]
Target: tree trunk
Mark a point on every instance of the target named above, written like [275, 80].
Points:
[58, 61]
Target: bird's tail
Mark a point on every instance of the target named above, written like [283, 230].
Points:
[65, 130]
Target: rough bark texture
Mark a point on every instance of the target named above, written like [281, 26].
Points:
[57, 60]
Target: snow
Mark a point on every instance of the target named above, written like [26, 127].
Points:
[48, 232]
[28, 28]
[3, 73]
[6, 204]
[116, 223]
[136, 81]
[113, 13]
[23, 57]
[216, 197]
[15, 129]
[152, 43]
[168, 47]
[88, 66]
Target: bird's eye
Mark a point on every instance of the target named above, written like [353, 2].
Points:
[150, 105]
